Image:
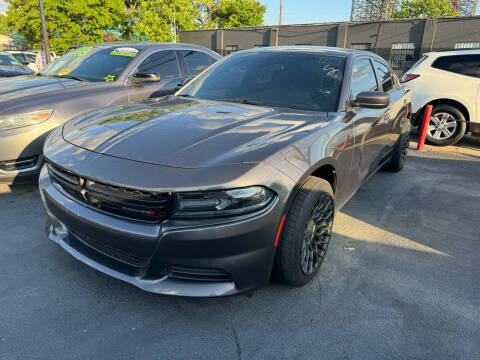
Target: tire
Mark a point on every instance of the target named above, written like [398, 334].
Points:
[308, 227]
[446, 114]
[400, 150]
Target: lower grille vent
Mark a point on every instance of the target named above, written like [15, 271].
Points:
[18, 164]
[197, 274]
[113, 252]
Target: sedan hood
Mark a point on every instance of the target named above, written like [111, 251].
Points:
[190, 133]
[14, 70]
[33, 86]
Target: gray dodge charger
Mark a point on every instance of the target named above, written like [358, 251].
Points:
[233, 180]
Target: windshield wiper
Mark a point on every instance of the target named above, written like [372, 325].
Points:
[242, 101]
[184, 95]
[69, 77]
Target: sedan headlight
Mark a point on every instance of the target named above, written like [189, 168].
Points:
[208, 204]
[19, 120]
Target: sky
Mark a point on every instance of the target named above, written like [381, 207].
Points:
[307, 11]
[298, 11]
[3, 6]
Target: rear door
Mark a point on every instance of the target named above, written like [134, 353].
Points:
[369, 123]
[165, 64]
[196, 61]
[464, 72]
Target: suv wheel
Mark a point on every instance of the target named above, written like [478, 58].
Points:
[446, 127]
[307, 233]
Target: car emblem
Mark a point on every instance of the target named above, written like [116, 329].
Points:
[83, 192]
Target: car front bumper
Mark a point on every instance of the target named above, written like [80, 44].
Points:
[173, 257]
[21, 152]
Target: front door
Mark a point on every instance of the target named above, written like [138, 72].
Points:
[398, 108]
[163, 63]
[368, 123]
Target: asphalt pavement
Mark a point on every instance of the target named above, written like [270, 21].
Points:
[401, 281]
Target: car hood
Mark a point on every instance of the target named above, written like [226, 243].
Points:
[14, 70]
[188, 133]
[34, 86]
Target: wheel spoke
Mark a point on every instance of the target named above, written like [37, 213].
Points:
[317, 234]
[447, 133]
[437, 134]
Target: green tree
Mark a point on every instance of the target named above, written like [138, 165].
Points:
[130, 7]
[68, 21]
[238, 13]
[4, 28]
[206, 13]
[425, 8]
[155, 18]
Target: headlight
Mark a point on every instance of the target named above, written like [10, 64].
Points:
[19, 120]
[208, 204]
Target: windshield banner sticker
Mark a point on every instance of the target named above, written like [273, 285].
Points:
[80, 51]
[125, 51]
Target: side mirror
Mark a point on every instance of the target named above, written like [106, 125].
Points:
[372, 100]
[139, 78]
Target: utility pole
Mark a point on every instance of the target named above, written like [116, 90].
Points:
[281, 6]
[46, 45]
[174, 25]
[279, 23]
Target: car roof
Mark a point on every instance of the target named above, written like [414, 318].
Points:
[322, 49]
[326, 50]
[452, 52]
[146, 45]
[19, 52]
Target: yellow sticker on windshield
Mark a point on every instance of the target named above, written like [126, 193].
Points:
[80, 51]
[109, 78]
[64, 72]
[125, 51]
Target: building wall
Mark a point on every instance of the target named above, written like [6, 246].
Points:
[410, 38]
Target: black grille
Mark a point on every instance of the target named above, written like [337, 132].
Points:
[113, 252]
[127, 203]
[197, 274]
[18, 164]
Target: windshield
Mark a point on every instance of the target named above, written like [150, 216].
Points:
[293, 79]
[98, 64]
[7, 59]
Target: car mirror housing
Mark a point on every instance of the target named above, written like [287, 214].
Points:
[139, 78]
[372, 100]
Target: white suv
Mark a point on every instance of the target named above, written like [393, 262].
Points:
[450, 81]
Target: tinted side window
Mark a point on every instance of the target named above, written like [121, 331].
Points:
[385, 76]
[363, 78]
[30, 58]
[460, 64]
[19, 57]
[163, 63]
[197, 61]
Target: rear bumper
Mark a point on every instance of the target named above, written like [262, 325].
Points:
[170, 258]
